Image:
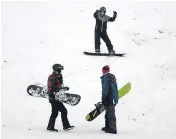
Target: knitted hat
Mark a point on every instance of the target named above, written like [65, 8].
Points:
[105, 69]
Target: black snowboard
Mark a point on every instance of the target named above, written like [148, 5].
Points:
[38, 91]
[104, 54]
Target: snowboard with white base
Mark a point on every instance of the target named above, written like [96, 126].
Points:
[41, 91]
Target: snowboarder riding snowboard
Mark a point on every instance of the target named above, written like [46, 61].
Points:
[100, 29]
[55, 83]
[109, 99]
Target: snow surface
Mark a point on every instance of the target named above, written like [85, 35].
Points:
[37, 35]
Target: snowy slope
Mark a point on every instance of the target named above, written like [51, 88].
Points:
[37, 35]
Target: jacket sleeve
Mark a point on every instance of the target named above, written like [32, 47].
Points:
[105, 88]
[115, 92]
[114, 88]
[111, 19]
[96, 14]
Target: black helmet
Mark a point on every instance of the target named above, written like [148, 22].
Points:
[57, 67]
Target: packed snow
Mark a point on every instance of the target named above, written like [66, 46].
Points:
[36, 35]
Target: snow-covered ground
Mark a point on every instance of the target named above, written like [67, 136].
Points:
[37, 35]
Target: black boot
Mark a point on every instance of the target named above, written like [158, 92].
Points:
[111, 131]
[68, 127]
[103, 129]
[97, 50]
[111, 51]
[52, 129]
[51, 124]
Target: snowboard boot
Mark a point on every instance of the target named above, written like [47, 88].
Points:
[111, 131]
[111, 51]
[103, 129]
[51, 124]
[52, 129]
[97, 50]
[68, 128]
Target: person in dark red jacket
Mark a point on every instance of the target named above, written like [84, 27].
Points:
[55, 83]
[101, 27]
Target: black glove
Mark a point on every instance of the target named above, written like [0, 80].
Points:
[98, 104]
[104, 102]
[67, 88]
[97, 11]
[116, 102]
[115, 13]
[51, 97]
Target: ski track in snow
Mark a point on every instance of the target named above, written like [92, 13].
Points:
[37, 35]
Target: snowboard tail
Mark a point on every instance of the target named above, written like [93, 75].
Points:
[71, 99]
[100, 107]
[97, 111]
[37, 91]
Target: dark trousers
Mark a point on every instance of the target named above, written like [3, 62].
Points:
[105, 38]
[58, 107]
[110, 118]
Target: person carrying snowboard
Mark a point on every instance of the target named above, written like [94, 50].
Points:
[101, 27]
[109, 99]
[54, 84]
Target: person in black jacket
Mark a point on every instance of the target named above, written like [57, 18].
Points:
[101, 27]
[55, 83]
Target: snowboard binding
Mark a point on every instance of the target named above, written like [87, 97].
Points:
[98, 104]
[60, 96]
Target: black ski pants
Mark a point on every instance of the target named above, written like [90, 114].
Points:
[59, 107]
[105, 38]
[110, 118]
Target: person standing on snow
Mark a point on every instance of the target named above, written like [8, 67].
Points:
[109, 99]
[101, 27]
[55, 83]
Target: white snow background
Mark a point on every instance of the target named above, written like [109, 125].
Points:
[36, 35]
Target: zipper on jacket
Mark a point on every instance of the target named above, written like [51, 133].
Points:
[102, 26]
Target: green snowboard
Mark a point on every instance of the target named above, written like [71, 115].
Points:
[100, 107]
